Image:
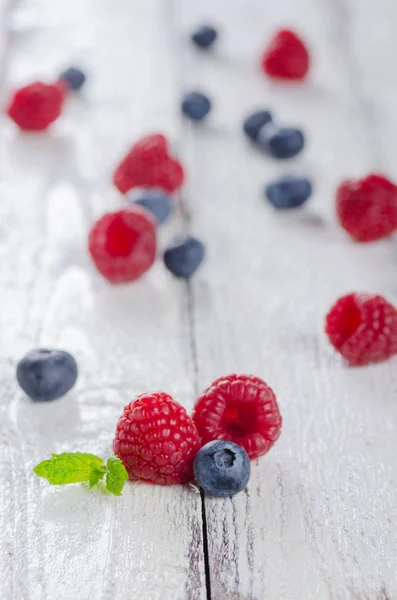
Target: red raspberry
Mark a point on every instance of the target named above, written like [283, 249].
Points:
[367, 208]
[148, 164]
[169, 175]
[242, 409]
[363, 328]
[152, 148]
[156, 440]
[123, 244]
[36, 106]
[286, 57]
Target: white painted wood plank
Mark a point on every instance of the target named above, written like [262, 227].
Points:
[71, 543]
[319, 517]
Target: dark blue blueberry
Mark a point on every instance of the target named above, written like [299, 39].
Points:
[156, 201]
[222, 468]
[74, 77]
[184, 257]
[255, 122]
[285, 142]
[46, 374]
[289, 191]
[196, 106]
[204, 36]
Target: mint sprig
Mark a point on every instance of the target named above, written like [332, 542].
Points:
[78, 467]
[116, 476]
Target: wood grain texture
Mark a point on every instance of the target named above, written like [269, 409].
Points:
[318, 519]
[70, 543]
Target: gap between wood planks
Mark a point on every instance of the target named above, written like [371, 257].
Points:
[184, 133]
[193, 350]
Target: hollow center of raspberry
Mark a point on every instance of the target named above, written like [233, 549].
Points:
[120, 239]
[349, 321]
[238, 420]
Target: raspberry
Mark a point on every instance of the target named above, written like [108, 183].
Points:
[36, 106]
[367, 208]
[152, 148]
[363, 328]
[156, 440]
[169, 175]
[242, 409]
[148, 164]
[286, 57]
[123, 244]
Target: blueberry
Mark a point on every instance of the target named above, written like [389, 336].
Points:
[255, 122]
[289, 191]
[75, 78]
[204, 36]
[222, 468]
[184, 257]
[155, 200]
[285, 142]
[196, 106]
[46, 374]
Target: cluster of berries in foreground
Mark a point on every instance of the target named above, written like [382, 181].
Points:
[159, 443]
[235, 420]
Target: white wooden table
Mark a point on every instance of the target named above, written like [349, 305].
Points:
[319, 518]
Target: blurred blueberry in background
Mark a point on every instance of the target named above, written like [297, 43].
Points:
[204, 36]
[283, 142]
[184, 256]
[158, 202]
[289, 191]
[195, 106]
[74, 77]
[255, 122]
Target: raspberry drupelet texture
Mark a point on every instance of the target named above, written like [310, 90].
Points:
[363, 328]
[123, 244]
[367, 208]
[37, 105]
[156, 440]
[148, 164]
[242, 409]
[286, 57]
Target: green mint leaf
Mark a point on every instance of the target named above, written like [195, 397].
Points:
[116, 476]
[69, 467]
[96, 475]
